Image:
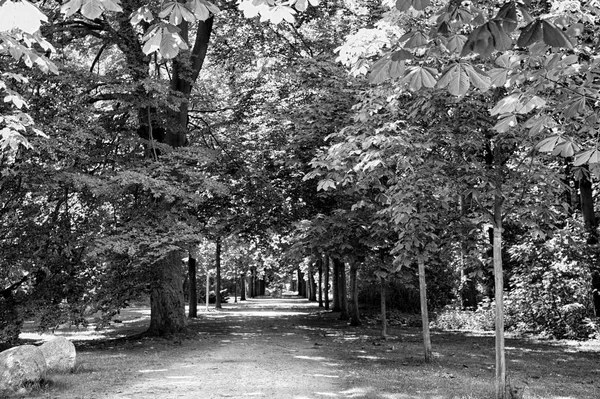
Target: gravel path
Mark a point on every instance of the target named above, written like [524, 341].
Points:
[257, 349]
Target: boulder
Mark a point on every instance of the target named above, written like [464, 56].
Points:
[20, 365]
[60, 354]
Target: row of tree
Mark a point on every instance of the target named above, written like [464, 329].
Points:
[135, 131]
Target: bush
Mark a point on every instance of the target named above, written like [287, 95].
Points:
[453, 318]
[550, 288]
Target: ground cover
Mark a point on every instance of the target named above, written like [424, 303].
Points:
[265, 348]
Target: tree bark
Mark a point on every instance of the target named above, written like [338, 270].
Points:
[185, 71]
[251, 283]
[193, 309]
[243, 287]
[326, 285]
[167, 306]
[587, 209]
[336, 286]
[218, 274]
[499, 296]
[424, 312]
[383, 307]
[343, 290]
[320, 289]
[354, 310]
[301, 284]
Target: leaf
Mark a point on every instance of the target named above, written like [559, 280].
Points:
[141, 14]
[478, 78]
[566, 149]
[506, 123]
[456, 79]
[405, 5]
[530, 34]
[416, 39]
[555, 37]
[112, 5]
[153, 42]
[548, 144]
[16, 100]
[532, 103]
[71, 7]
[170, 44]
[282, 13]
[456, 42]
[389, 67]
[92, 9]
[301, 5]
[508, 16]
[498, 76]
[587, 157]
[506, 105]
[325, 184]
[537, 123]
[167, 8]
[401, 55]
[576, 30]
[578, 107]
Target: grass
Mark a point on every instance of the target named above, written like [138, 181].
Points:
[367, 367]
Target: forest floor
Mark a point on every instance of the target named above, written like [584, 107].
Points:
[289, 348]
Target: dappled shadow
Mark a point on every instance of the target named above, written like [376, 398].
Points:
[292, 341]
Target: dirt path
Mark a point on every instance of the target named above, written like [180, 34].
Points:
[258, 349]
[289, 349]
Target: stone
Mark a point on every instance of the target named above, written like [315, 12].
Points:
[21, 365]
[60, 354]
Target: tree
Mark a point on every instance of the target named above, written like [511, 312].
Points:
[430, 44]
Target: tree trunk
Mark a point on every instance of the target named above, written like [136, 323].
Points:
[320, 289]
[193, 309]
[336, 286]
[343, 293]
[326, 285]
[499, 294]
[301, 284]
[218, 274]
[383, 307]
[587, 209]
[185, 71]
[312, 291]
[167, 306]
[251, 283]
[424, 312]
[354, 311]
[243, 287]
[262, 286]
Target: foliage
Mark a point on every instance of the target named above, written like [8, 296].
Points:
[550, 288]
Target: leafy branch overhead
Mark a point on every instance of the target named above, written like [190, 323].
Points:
[539, 56]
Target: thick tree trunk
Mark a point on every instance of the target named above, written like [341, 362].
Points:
[167, 306]
[218, 274]
[354, 310]
[424, 312]
[343, 290]
[193, 309]
[336, 285]
[262, 285]
[185, 71]
[383, 307]
[326, 284]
